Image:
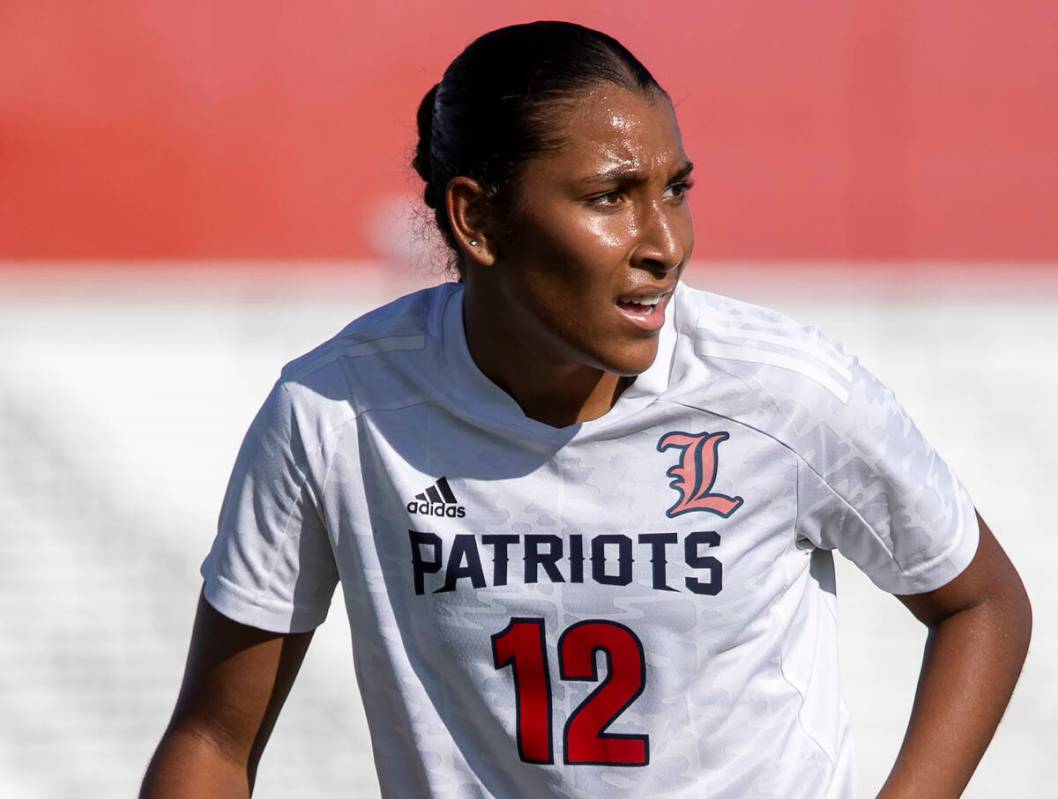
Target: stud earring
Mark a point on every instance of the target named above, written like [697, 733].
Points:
[473, 242]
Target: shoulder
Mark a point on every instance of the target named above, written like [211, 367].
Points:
[762, 345]
[399, 326]
[785, 379]
[383, 357]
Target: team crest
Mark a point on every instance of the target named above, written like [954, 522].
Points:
[694, 475]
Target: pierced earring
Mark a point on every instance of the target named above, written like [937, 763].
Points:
[473, 242]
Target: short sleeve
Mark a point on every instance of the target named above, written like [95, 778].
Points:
[271, 565]
[871, 486]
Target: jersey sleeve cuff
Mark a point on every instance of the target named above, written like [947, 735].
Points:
[943, 568]
[277, 617]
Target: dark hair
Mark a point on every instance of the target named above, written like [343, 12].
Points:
[493, 109]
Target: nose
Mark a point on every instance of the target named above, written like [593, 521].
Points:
[663, 241]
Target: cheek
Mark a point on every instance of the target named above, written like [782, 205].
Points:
[561, 274]
[575, 274]
[686, 231]
[562, 285]
[608, 234]
[578, 252]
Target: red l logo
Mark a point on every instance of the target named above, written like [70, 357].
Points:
[694, 475]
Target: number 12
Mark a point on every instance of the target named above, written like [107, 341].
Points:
[521, 646]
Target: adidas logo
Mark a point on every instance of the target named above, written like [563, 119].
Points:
[437, 500]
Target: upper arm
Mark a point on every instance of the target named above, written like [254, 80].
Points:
[235, 682]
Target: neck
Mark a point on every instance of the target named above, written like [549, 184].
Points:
[548, 387]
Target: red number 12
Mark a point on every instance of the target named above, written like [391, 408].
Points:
[521, 646]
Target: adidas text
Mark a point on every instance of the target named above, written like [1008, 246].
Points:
[437, 509]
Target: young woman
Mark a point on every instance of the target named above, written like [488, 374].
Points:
[583, 516]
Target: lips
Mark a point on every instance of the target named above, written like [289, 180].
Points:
[645, 309]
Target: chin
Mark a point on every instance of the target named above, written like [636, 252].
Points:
[632, 359]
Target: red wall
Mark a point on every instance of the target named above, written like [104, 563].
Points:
[835, 129]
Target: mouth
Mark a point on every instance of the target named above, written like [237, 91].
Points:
[645, 310]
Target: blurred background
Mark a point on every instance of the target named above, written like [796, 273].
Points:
[192, 194]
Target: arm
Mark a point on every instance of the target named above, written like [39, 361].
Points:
[235, 682]
[979, 628]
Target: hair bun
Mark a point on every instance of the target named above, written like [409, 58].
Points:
[422, 160]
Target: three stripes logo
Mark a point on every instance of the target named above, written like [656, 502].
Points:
[437, 500]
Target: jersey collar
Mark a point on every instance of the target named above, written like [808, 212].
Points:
[480, 397]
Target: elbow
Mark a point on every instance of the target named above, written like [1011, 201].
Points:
[1023, 616]
[1011, 618]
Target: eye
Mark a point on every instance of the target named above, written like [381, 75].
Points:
[609, 199]
[680, 189]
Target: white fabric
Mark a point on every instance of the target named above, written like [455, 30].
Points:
[739, 665]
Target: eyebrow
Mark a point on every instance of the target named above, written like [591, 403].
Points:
[630, 175]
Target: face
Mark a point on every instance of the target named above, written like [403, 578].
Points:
[601, 234]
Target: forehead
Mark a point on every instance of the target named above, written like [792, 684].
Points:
[611, 126]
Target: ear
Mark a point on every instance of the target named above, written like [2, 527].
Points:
[468, 215]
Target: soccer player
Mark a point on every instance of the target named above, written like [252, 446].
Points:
[583, 515]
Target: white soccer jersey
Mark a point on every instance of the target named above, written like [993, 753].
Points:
[640, 605]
